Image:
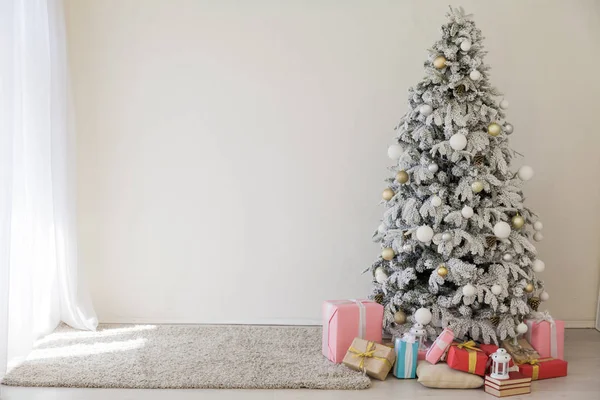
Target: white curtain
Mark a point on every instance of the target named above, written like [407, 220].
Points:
[40, 284]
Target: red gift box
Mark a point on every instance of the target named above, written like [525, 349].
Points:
[467, 357]
[544, 368]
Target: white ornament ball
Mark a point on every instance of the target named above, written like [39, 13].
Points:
[504, 104]
[508, 129]
[502, 230]
[467, 212]
[538, 226]
[522, 328]
[465, 45]
[538, 266]
[423, 316]
[381, 229]
[538, 237]
[426, 109]
[395, 151]
[525, 173]
[544, 296]
[380, 275]
[496, 289]
[436, 201]
[433, 168]
[468, 290]
[475, 75]
[458, 141]
[424, 233]
[507, 257]
[446, 236]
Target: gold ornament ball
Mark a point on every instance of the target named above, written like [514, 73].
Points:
[494, 129]
[439, 62]
[399, 317]
[518, 222]
[529, 288]
[388, 194]
[477, 186]
[402, 177]
[388, 254]
[442, 271]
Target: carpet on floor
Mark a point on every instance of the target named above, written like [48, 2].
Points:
[184, 356]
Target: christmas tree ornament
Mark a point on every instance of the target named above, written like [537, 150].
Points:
[381, 229]
[538, 237]
[439, 62]
[433, 168]
[388, 194]
[522, 328]
[477, 186]
[495, 319]
[508, 129]
[538, 266]
[406, 248]
[518, 221]
[466, 212]
[388, 254]
[469, 290]
[499, 367]
[496, 289]
[436, 201]
[446, 236]
[475, 75]
[502, 230]
[442, 271]
[402, 176]
[465, 45]
[533, 303]
[529, 288]
[380, 275]
[494, 129]
[458, 141]
[507, 257]
[525, 173]
[399, 317]
[479, 159]
[395, 151]
[544, 296]
[504, 104]
[490, 241]
[538, 226]
[424, 233]
[426, 109]
[423, 316]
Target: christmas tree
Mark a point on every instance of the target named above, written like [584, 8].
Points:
[456, 237]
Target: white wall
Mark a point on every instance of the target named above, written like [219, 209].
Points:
[232, 154]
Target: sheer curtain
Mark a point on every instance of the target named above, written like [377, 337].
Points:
[39, 280]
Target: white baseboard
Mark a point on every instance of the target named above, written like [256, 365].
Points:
[308, 321]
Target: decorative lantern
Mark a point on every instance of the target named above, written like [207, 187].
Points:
[419, 332]
[500, 361]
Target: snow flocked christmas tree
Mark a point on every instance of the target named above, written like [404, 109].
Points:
[456, 236]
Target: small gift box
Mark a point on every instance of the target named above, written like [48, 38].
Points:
[544, 368]
[343, 320]
[467, 357]
[547, 336]
[521, 352]
[407, 349]
[439, 347]
[376, 360]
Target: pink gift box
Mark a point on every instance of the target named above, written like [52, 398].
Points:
[344, 320]
[439, 347]
[546, 339]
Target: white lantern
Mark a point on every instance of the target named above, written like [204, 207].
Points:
[500, 361]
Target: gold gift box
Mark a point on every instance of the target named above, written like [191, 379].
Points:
[376, 360]
[522, 352]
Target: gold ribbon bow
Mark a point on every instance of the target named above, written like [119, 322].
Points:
[368, 353]
[535, 370]
[472, 349]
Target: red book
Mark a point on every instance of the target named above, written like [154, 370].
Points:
[544, 368]
[517, 383]
[509, 392]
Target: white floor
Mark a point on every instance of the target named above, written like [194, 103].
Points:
[582, 350]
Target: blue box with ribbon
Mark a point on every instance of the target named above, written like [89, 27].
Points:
[407, 351]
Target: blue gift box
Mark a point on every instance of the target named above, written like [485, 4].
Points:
[407, 351]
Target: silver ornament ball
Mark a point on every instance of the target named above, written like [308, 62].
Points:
[426, 109]
[465, 45]
[446, 236]
[507, 257]
[433, 168]
[504, 104]
[508, 129]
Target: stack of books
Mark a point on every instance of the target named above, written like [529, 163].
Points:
[517, 383]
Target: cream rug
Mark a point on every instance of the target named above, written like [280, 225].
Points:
[184, 356]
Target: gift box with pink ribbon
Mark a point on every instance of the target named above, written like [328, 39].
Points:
[439, 347]
[546, 335]
[344, 320]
